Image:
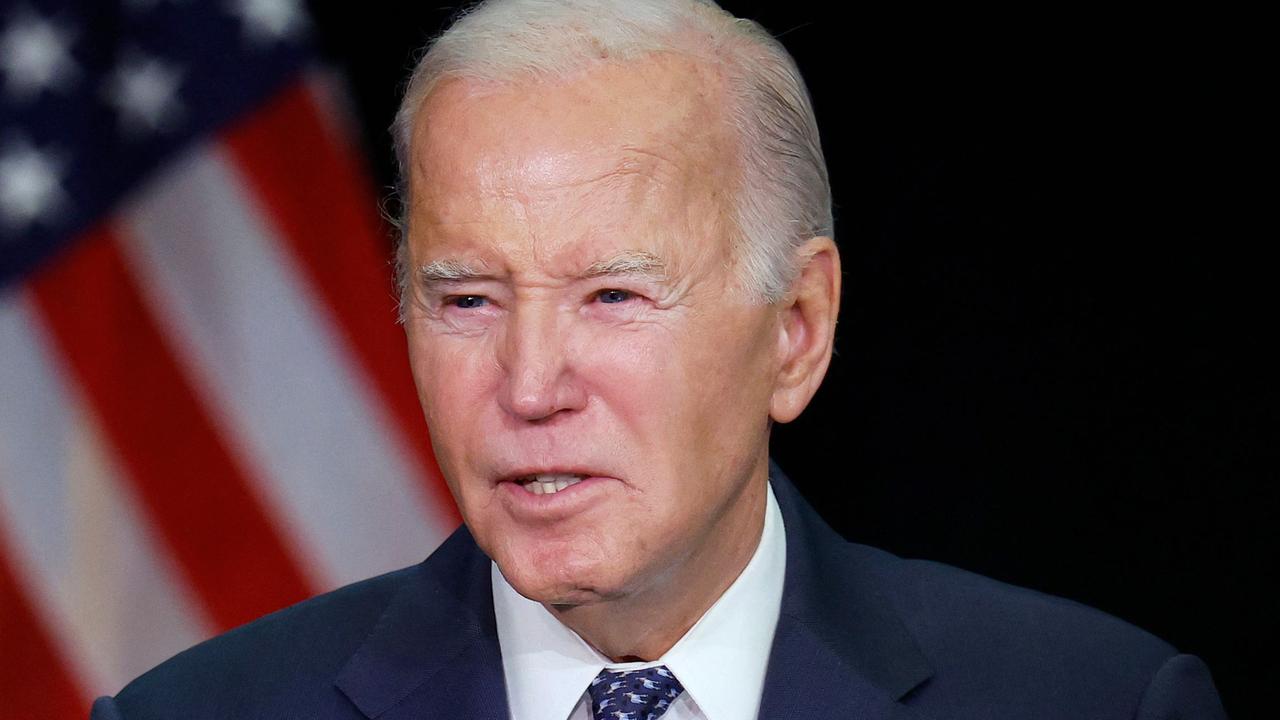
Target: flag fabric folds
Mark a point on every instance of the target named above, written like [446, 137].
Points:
[205, 409]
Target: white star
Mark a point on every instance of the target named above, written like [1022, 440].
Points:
[268, 20]
[29, 186]
[144, 92]
[35, 54]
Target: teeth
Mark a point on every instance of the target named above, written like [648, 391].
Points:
[548, 483]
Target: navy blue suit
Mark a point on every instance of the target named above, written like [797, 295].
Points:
[862, 634]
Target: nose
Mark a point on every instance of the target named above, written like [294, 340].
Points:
[539, 378]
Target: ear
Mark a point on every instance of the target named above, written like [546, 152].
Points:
[807, 329]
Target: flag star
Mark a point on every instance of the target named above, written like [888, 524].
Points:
[29, 186]
[35, 54]
[144, 92]
[267, 20]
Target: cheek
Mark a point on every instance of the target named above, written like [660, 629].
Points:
[451, 379]
[633, 372]
[727, 388]
[678, 398]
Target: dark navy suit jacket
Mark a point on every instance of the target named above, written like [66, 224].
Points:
[862, 634]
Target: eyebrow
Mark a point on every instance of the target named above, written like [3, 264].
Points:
[629, 263]
[439, 272]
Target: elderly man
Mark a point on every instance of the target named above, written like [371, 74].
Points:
[618, 271]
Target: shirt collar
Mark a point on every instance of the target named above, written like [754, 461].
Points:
[721, 660]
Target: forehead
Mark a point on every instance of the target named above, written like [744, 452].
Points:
[646, 131]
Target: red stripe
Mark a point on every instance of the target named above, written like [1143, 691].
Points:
[194, 491]
[317, 195]
[34, 682]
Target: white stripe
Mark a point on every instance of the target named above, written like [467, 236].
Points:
[276, 374]
[97, 575]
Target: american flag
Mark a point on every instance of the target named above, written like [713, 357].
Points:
[205, 408]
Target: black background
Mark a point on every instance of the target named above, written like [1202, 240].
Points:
[1050, 364]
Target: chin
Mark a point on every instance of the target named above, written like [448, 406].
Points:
[553, 591]
[551, 581]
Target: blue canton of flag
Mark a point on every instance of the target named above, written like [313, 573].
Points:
[98, 94]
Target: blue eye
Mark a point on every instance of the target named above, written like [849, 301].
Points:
[613, 296]
[468, 302]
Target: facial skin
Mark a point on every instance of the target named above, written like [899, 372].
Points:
[574, 308]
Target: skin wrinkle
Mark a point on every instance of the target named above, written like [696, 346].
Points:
[641, 171]
[639, 197]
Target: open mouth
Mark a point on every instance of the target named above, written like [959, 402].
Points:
[548, 484]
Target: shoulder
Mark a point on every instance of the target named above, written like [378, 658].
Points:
[931, 596]
[281, 665]
[988, 639]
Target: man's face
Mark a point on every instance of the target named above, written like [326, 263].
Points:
[579, 319]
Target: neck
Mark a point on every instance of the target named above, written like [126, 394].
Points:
[644, 625]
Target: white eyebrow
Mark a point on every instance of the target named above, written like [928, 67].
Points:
[629, 262]
[448, 271]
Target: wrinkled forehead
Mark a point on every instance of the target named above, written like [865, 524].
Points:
[663, 115]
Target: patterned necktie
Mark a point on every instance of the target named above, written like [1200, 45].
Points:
[633, 694]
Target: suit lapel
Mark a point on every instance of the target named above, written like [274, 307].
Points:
[840, 650]
[434, 652]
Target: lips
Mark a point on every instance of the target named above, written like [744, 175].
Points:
[548, 483]
[545, 498]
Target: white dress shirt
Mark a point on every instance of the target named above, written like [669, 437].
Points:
[721, 660]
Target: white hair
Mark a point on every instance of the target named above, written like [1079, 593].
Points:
[783, 196]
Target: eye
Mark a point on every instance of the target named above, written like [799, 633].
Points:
[613, 296]
[466, 302]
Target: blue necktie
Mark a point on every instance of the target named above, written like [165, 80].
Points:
[633, 694]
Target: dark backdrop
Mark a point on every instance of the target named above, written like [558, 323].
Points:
[1049, 366]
